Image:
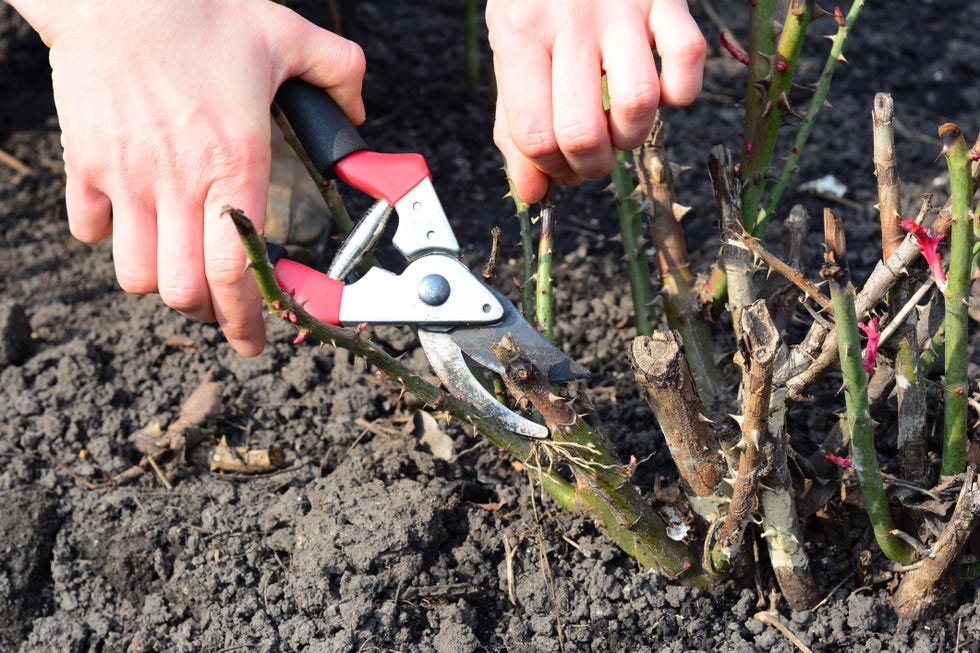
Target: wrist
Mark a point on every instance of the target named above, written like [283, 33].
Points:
[49, 18]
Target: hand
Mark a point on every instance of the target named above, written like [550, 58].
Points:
[549, 58]
[164, 111]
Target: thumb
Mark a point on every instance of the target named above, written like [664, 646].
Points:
[323, 59]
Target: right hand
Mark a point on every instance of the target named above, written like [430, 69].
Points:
[164, 111]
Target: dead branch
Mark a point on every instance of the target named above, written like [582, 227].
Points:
[661, 370]
[928, 589]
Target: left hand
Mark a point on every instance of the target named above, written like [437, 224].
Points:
[549, 58]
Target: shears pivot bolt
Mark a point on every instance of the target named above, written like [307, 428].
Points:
[434, 289]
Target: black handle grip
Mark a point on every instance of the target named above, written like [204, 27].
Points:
[321, 127]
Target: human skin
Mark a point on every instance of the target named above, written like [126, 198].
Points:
[164, 112]
[549, 58]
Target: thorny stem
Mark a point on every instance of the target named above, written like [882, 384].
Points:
[761, 46]
[608, 492]
[283, 306]
[338, 212]
[886, 173]
[631, 237]
[677, 276]
[957, 297]
[775, 86]
[544, 299]
[817, 102]
[527, 249]
[835, 272]
[802, 365]
[757, 348]
[662, 372]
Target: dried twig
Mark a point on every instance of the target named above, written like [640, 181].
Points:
[929, 588]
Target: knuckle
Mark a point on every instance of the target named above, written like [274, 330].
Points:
[224, 270]
[136, 282]
[183, 296]
[637, 101]
[513, 17]
[535, 141]
[579, 140]
[356, 62]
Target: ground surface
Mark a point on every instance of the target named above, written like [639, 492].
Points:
[366, 541]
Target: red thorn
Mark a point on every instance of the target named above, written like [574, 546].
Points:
[871, 330]
[300, 337]
[930, 250]
[840, 461]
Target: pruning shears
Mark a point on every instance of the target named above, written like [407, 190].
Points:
[459, 317]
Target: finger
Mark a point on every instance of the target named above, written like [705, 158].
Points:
[134, 245]
[323, 59]
[180, 256]
[234, 294]
[632, 80]
[580, 122]
[527, 65]
[89, 211]
[529, 183]
[682, 50]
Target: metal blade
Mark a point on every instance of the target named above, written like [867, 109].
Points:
[477, 342]
[447, 361]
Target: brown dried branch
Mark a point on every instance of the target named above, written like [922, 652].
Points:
[734, 257]
[793, 275]
[661, 370]
[930, 587]
[757, 347]
[886, 171]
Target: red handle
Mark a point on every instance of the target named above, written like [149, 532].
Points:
[319, 294]
[382, 176]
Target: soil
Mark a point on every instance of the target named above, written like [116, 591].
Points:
[365, 541]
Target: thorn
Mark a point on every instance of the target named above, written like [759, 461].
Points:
[767, 109]
[678, 169]
[785, 105]
[819, 12]
[680, 211]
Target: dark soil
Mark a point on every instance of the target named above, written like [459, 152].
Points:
[365, 541]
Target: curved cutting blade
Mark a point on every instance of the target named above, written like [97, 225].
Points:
[477, 342]
[446, 359]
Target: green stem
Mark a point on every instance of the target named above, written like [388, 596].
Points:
[777, 83]
[527, 250]
[957, 298]
[806, 126]
[544, 299]
[865, 459]
[761, 46]
[604, 491]
[631, 235]
[341, 218]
